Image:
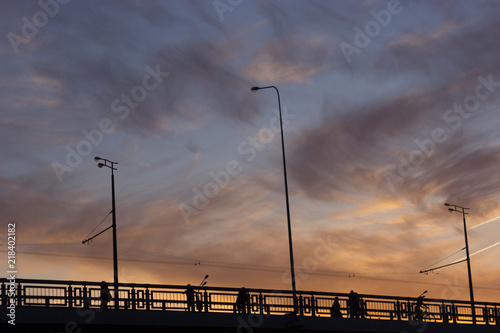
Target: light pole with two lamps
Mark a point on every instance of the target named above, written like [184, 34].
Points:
[462, 210]
[292, 267]
[111, 165]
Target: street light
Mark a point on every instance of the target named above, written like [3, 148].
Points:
[461, 209]
[292, 267]
[111, 165]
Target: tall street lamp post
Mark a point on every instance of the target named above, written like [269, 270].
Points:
[111, 165]
[292, 267]
[462, 210]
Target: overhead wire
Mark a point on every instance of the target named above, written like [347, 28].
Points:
[98, 224]
[437, 262]
[233, 266]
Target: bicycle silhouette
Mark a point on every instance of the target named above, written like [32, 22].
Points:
[420, 311]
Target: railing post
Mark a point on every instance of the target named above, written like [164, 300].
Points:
[261, 305]
[85, 300]
[147, 298]
[4, 295]
[70, 296]
[133, 298]
[444, 313]
[19, 295]
[117, 297]
[205, 295]
[313, 306]
[126, 303]
[362, 307]
[301, 305]
[398, 310]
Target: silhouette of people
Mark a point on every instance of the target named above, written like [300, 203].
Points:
[241, 301]
[105, 295]
[335, 310]
[190, 298]
[353, 305]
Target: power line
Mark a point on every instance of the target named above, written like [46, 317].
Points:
[98, 224]
[243, 267]
[443, 259]
[443, 266]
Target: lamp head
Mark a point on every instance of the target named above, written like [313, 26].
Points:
[254, 89]
[446, 204]
[100, 165]
[451, 210]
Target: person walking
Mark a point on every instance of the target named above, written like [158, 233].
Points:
[353, 305]
[241, 301]
[105, 295]
[190, 298]
[335, 309]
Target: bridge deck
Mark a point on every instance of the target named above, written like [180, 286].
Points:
[76, 304]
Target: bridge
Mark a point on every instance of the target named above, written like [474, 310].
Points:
[78, 306]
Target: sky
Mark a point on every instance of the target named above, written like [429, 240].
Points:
[389, 110]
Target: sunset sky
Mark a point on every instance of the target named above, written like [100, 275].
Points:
[390, 109]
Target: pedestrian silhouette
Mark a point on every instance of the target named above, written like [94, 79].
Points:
[241, 301]
[190, 298]
[353, 305]
[335, 310]
[105, 295]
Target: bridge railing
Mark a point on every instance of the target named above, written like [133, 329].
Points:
[154, 297]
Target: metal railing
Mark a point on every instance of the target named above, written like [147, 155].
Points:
[155, 297]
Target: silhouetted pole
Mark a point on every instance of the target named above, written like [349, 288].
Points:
[292, 267]
[461, 209]
[115, 249]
